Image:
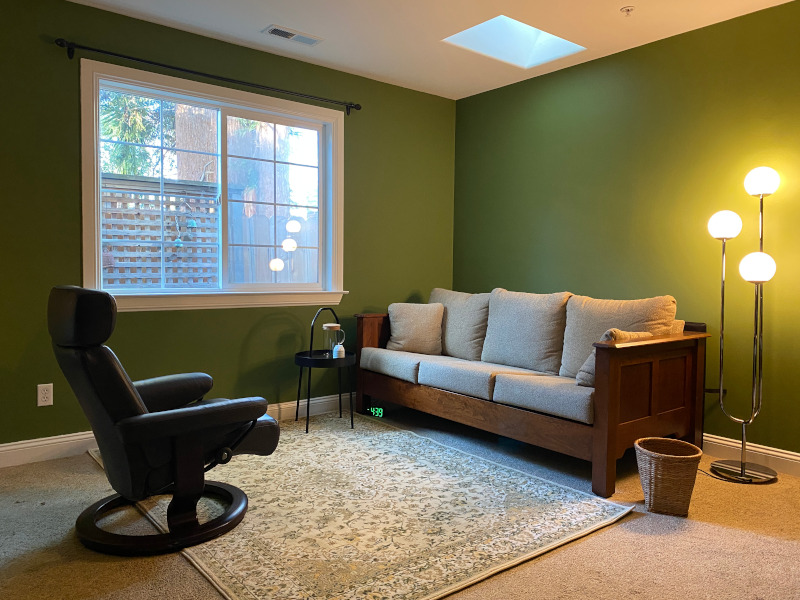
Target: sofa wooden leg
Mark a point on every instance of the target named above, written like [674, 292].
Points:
[604, 476]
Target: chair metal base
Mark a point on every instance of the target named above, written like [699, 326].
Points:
[100, 540]
[752, 473]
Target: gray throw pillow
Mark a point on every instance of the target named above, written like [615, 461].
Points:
[585, 376]
[415, 328]
[464, 324]
[525, 330]
[588, 318]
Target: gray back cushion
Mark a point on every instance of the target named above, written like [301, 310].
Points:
[526, 330]
[415, 327]
[588, 318]
[464, 323]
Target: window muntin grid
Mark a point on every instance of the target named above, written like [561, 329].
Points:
[183, 219]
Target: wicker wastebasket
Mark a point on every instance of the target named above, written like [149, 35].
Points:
[667, 469]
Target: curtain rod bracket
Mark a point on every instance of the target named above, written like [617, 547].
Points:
[72, 46]
[62, 43]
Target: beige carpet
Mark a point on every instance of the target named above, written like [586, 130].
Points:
[381, 512]
[738, 543]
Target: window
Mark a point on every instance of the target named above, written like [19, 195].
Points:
[197, 196]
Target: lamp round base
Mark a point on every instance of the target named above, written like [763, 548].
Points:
[752, 472]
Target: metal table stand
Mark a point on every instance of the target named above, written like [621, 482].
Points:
[322, 359]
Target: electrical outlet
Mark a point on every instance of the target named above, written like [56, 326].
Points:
[44, 394]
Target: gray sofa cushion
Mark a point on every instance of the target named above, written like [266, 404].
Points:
[526, 330]
[586, 373]
[403, 365]
[416, 327]
[588, 318]
[557, 396]
[464, 323]
[464, 376]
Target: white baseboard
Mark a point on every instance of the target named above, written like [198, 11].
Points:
[782, 461]
[61, 446]
[322, 404]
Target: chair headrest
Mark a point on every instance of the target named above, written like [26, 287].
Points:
[79, 317]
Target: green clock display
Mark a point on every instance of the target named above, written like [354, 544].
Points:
[376, 412]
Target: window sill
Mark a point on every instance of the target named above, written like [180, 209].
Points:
[150, 302]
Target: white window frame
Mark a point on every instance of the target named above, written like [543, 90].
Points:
[330, 123]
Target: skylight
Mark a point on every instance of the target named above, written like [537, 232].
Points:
[510, 41]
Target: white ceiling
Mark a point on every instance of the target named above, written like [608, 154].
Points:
[400, 41]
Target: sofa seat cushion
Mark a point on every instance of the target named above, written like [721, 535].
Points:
[467, 377]
[395, 363]
[557, 396]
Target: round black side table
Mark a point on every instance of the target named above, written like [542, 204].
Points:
[322, 359]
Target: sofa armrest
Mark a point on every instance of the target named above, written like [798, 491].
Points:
[656, 343]
[372, 331]
[646, 387]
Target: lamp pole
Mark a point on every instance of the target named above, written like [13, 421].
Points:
[757, 268]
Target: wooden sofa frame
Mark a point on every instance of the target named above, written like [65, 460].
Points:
[643, 388]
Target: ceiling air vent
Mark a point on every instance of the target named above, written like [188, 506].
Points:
[291, 34]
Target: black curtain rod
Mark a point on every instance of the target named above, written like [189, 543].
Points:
[72, 46]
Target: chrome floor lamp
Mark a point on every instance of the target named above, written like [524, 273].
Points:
[757, 268]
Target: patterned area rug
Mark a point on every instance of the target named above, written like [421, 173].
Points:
[381, 513]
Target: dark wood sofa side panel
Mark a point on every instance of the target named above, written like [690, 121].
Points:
[660, 381]
[372, 331]
[649, 388]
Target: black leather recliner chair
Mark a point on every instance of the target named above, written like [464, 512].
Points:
[156, 436]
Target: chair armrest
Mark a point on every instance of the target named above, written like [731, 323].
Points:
[201, 416]
[173, 391]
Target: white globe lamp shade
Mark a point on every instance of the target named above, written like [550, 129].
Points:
[276, 264]
[289, 245]
[757, 267]
[725, 225]
[762, 181]
[293, 226]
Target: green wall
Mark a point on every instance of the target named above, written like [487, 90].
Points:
[599, 179]
[399, 161]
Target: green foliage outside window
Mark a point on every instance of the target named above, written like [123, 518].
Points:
[135, 120]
